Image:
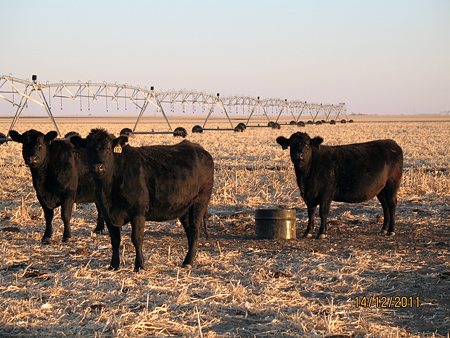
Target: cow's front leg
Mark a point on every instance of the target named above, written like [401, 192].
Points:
[311, 216]
[66, 215]
[100, 221]
[48, 213]
[324, 211]
[137, 237]
[114, 233]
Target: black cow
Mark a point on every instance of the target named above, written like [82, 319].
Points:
[350, 173]
[60, 177]
[3, 138]
[154, 183]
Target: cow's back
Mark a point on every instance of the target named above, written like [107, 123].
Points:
[173, 176]
[360, 171]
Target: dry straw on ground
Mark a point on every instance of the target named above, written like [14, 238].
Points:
[241, 286]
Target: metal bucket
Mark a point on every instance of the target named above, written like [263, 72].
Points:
[276, 223]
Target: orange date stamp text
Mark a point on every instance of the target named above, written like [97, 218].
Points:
[387, 302]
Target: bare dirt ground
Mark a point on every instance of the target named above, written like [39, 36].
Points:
[356, 283]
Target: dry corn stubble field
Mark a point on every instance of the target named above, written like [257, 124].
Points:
[240, 286]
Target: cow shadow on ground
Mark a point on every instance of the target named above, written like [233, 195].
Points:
[405, 276]
[354, 261]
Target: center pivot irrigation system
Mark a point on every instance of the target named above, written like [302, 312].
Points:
[20, 92]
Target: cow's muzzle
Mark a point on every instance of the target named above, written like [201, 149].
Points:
[299, 157]
[31, 161]
[98, 168]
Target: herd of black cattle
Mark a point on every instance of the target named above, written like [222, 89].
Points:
[159, 183]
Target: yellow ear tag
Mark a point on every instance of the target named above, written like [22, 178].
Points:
[117, 149]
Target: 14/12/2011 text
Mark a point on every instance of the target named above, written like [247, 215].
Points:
[387, 302]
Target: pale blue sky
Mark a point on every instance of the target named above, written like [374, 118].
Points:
[380, 57]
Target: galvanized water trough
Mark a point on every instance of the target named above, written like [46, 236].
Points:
[276, 223]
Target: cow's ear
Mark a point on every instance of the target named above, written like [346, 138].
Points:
[15, 136]
[284, 142]
[316, 141]
[122, 140]
[78, 142]
[118, 143]
[50, 136]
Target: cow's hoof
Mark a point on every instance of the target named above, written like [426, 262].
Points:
[138, 269]
[186, 266]
[307, 235]
[46, 240]
[67, 239]
[383, 232]
[99, 232]
[321, 236]
[112, 268]
[390, 234]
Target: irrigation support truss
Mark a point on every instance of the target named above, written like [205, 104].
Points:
[19, 92]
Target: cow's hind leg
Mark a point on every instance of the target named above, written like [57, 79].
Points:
[205, 224]
[386, 214]
[192, 223]
[137, 236]
[391, 189]
[66, 215]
